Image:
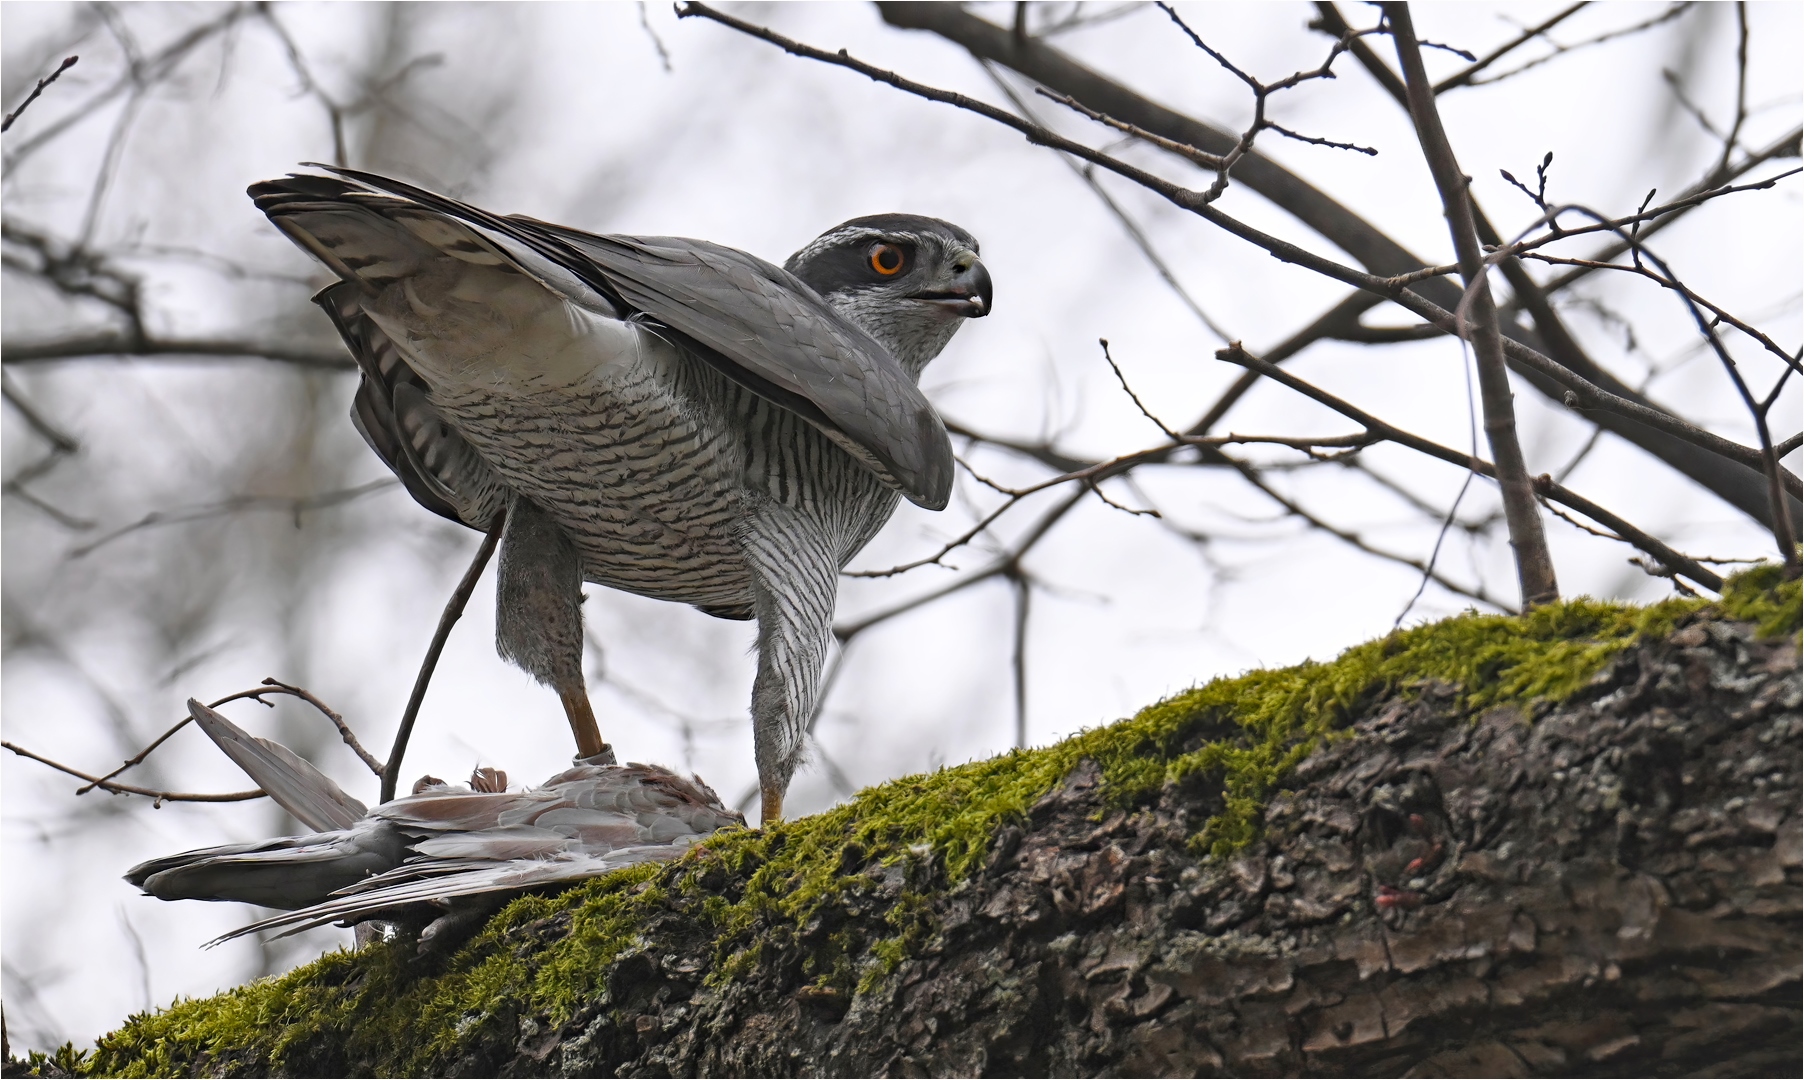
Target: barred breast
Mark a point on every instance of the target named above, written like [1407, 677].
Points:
[631, 461]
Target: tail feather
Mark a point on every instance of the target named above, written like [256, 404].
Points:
[294, 872]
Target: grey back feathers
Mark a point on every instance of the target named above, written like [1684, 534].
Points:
[757, 323]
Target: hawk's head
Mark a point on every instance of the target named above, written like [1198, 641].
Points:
[909, 281]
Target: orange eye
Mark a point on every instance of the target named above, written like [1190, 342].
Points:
[886, 259]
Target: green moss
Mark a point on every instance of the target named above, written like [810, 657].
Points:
[743, 895]
[1762, 596]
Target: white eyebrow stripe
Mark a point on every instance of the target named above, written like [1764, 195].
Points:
[840, 237]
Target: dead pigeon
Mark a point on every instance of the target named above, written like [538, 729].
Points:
[445, 855]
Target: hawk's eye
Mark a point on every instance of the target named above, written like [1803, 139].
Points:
[886, 259]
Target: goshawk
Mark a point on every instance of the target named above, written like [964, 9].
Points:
[666, 416]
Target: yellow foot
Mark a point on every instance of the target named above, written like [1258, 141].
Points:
[770, 809]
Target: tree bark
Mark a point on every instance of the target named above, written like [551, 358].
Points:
[1611, 888]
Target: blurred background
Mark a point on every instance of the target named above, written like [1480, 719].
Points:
[189, 510]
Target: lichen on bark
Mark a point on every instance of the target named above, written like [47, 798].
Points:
[1376, 862]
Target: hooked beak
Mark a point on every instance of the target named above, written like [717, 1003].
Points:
[969, 295]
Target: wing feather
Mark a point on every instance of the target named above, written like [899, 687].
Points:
[758, 324]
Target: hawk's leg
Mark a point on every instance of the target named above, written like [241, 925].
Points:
[539, 616]
[795, 579]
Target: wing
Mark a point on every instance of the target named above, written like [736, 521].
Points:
[438, 468]
[426, 881]
[296, 786]
[758, 324]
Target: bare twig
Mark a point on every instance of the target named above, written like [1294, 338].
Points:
[106, 346]
[1427, 570]
[145, 70]
[1135, 398]
[1092, 474]
[344, 729]
[1543, 485]
[1668, 15]
[1024, 591]
[656, 42]
[454, 609]
[294, 505]
[132, 789]
[1465, 75]
[270, 686]
[1087, 173]
[68, 62]
[1784, 146]
[1452, 515]
[847, 631]
[1721, 315]
[59, 441]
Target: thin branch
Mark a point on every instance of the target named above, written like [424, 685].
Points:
[1087, 173]
[1765, 342]
[1534, 562]
[656, 42]
[1312, 140]
[845, 632]
[1544, 485]
[109, 345]
[294, 505]
[335, 113]
[138, 759]
[1024, 591]
[1452, 515]
[1464, 75]
[1138, 404]
[161, 797]
[454, 609]
[1668, 15]
[1785, 146]
[59, 441]
[144, 71]
[68, 62]
[1603, 224]
[1353, 539]
[1094, 473]
[344, 729]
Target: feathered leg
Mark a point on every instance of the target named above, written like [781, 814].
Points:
[795, 580]
[539, 617]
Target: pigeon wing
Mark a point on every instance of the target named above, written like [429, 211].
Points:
[421, 882]
[295, 785]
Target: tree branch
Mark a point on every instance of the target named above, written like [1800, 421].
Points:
[454, 609]
[132, 789]
[1544, 485]
[68, 62]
